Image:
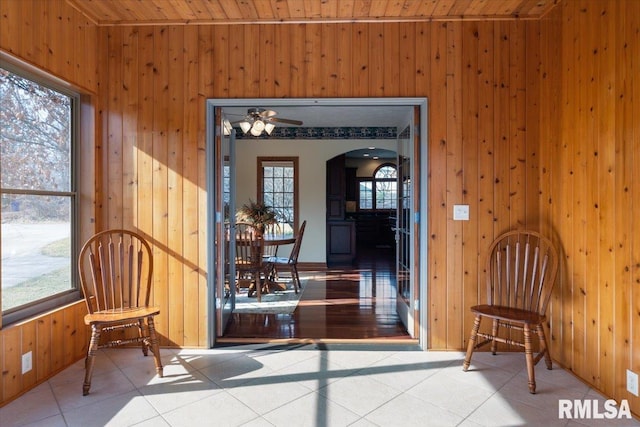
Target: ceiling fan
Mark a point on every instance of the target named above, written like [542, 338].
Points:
[260, 120]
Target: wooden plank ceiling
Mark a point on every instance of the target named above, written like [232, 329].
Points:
[141, 12]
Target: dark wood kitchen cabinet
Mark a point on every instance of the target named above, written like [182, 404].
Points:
[341, 242]
[335, 188]
[341, 233]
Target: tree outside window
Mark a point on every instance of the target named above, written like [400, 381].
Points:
[385, 183]
[36, 185]
[278, 188]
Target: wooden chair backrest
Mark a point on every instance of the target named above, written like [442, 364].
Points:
[248, 244]
[521, 270]
[295, 251]
[115, 268]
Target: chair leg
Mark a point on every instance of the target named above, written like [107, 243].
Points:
[89, 361]
[494, 333]
[296, 278]
[472, 343]
[273, 273]
[528, 353]
[258, 287]
[155, 348]
[543, 346]
[141, 333]
[251, 289]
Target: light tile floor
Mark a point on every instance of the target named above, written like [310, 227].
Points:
[307, 385]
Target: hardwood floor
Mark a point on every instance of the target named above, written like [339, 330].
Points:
[353, 304]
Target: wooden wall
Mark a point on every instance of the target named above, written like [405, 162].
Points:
[55, 339]
[475, 74]
[511, 133]
[56, 38]
[590, 186]
[52, 36]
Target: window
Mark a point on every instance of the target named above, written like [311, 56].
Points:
[226, 188]
[366, 194]
[380, 192]
[278, 188]
[37, 132]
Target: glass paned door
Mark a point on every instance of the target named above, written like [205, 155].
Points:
[223, 195]
[407, 227]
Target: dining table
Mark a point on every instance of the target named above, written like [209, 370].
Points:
[266, 248]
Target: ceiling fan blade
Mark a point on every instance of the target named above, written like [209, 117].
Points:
[288, 121]
[267, 113]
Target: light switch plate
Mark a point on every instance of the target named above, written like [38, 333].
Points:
[27, 362]
[461, 212]
[632, 382]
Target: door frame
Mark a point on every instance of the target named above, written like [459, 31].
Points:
[215, 218]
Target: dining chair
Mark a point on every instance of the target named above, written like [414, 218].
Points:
[116, 268]
[249, 263]
[289, 264]
[521, 268]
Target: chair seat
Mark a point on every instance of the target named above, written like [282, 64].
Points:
[508, 314]
[117, 315]
[277, 260]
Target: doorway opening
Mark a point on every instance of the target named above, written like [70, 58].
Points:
[370, 194]
[227, 147]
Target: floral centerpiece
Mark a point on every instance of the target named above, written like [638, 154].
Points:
[259, 214]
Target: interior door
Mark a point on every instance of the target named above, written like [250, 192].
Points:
[408, 226]
[224, 194]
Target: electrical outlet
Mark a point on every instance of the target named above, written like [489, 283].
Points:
[632, 382]
[27, 362]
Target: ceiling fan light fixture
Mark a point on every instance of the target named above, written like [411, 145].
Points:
[245, 126]
[268, 128]
[259, 120]
[258, 126]
[226, 127]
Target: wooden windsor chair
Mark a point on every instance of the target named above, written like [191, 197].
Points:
[249, 262]
[115, 268]
[277, 265]
[521, 268]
